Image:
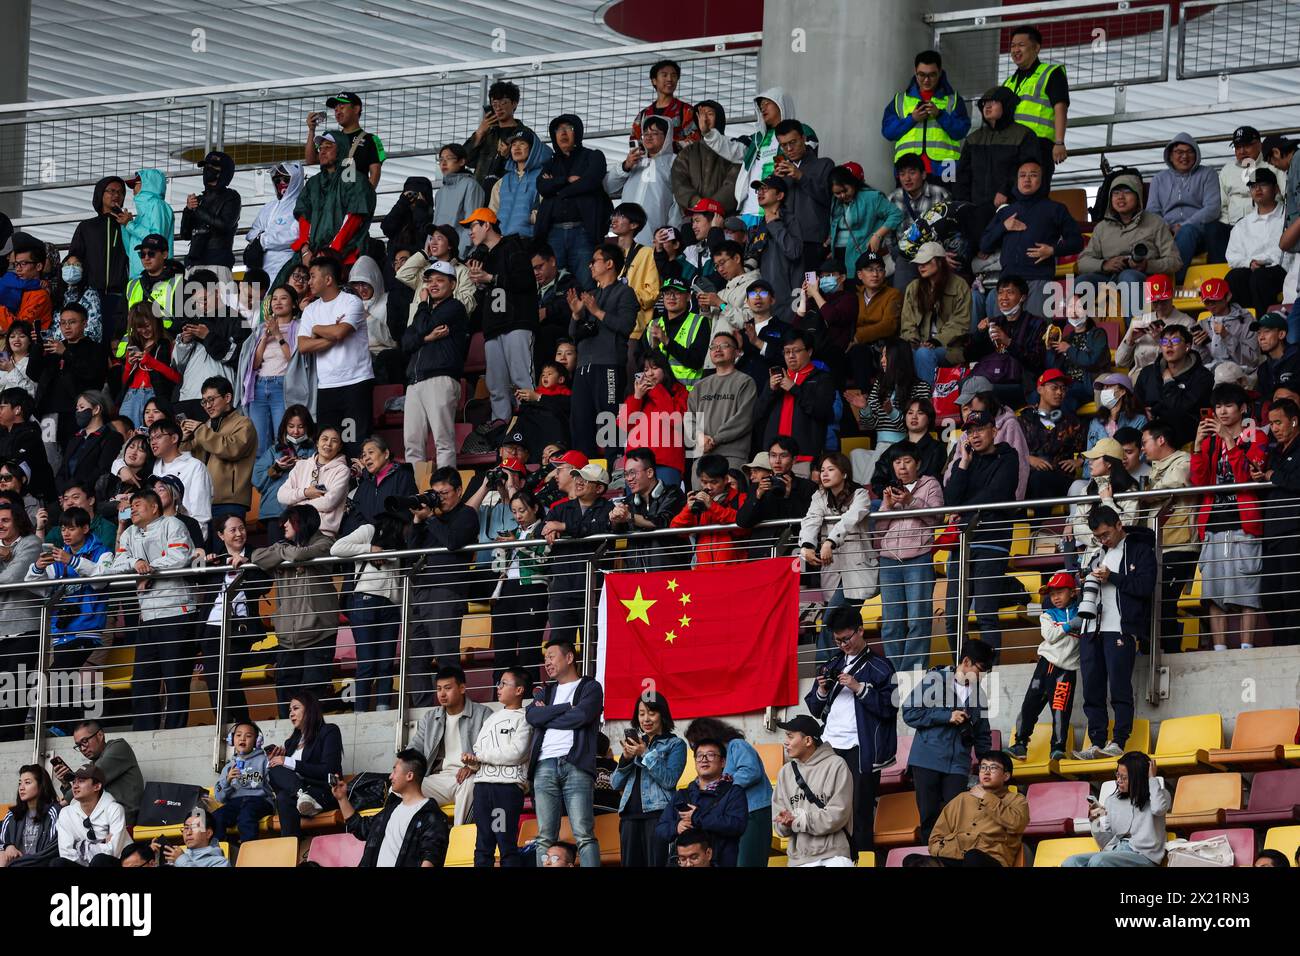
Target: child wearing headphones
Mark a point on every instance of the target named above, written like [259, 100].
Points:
[242, 787]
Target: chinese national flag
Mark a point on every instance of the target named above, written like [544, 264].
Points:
[721, 640]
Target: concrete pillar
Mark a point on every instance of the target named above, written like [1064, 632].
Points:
[15, 43]
[843, 60]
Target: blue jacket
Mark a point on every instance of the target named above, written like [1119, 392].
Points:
[268, 485]
[153, 214]
[745, 768]
[938, 742]
[517, 195]
[82, 608]
[876, 712]
[954, 122]
[661, 767]
[1048, 222]
[582, 716]
[721, 812]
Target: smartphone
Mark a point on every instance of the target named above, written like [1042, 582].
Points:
[487, 109]
[633, 144]
[47, 549]
[180, 418]
[1207, 414]
[320, 487]
[321, 116]
[1093, 801]
[810, 278]
[632, 734]
[332, 779]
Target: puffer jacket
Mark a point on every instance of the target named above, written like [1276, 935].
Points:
[699, 172]
[660, 768]
[1186, 198]
[817, 832]
[153, 215]
[163, 544]
[1112, 237]
[515, 197]
[1048, 222]
[904, 538]
[853, 560]
[306, 606]
[992, 154]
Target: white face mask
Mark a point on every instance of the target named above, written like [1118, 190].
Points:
[1008, 313]
[1109, 397]
[1079, 322]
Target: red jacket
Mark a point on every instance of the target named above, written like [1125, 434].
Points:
[1205, 472]
[661, 430]
[715, 547]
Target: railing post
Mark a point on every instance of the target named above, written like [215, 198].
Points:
[1157, 598]
[588, 593]
[219, 705]
[42, 677]
[403, 641]
[963, 583]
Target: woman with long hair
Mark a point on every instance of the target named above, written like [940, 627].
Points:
[144, 367]
[841, 550]
[21, 361]
[936, 312]
[659, 402]
[652, 762]
[862, 218]
[1129, 825]
[263, 361]
[1117, 407]
[29, 833]
[321, 481]
[295, 441]
[745, 768]
[1109, 478]
[882, 412]
[94, 446]
[19, 610]
[299, 771]
[374, 607]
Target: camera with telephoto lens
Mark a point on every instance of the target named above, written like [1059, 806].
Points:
[1140, 251]
[1090, 599]
[426, 499]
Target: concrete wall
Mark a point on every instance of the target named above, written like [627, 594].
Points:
[848, 62]
[1200, 683]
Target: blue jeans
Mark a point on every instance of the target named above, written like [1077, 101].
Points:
[1122, 855]
[561, 789]
[375, 623]
[133, 403]
[266, 409]
[573, 249]
[906, 593]
[241, 812]
[1208, 237]
[671, 477]
[927, 361]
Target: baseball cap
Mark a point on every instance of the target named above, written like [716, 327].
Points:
[1262, 174]
[760, 284]
[90, 772]
[972, 387]
[761, 460]
[854, 170]
[337, 98]
[1228, 372]
[572, 458]
[1118, 379]
[441, 267]
[1159, 288]
[803, 724]
[1270, 320]
[1244, 135]
[979, 420]
[675, 285]
[734, 224]
[154, 242]
[171, 481]
[1105, 447]
[1061, 579]
[518, 134]
[1214, 289]
[590, 472]
[708, 206]
[481, 214]
[513, 438]
[869, 259]
[514, 464]
[928, 252]
[771, 182]
[1052, 375]
[326, 138]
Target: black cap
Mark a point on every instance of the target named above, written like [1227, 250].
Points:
[870, 258]
[171, 481]
[761, 284]
[832, 265]
[1270, 320]
[155, 242]
[212, 159]
[1262, 174]
[338, 98]
[979, 420]
[513, 438]
[519, 133]
[771, 182]
[803, 724]
[1245, 135]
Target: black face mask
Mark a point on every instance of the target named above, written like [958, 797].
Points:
[211, 174]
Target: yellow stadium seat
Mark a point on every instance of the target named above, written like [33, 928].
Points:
[271, 852]
[1283, 839]
[1188, 294]
[855, 441]
[867, 858]
[1052, 853]
[118, 669]
[1260, 739]
[606, 833]
[423, 472]
[152, 833]
[778, 860]
[475, 633]
[225, 849]
[1201, 799]
[773, 757]
[1038, 764]
[897, 820]
[689, 772]
[1139, 740]
[460, 847]
[1086, 410]
[1185, 742]
[466, 476]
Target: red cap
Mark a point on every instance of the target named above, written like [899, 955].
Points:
[1061, 579]
[572, 458]
[1214, 289]
[853, 169]
[1052, 375]
[710, 206]
[1159, 289]
[514, 464]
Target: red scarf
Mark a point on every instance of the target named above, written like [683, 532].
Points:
[787, 403]
[554, 390]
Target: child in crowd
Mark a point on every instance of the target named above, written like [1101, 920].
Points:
[242, 786]
[1056, 675]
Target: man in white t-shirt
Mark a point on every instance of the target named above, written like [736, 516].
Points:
[411, 831]
[333, 328]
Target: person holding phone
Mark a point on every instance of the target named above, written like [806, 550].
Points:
[486, 148]
[1129, 826]
[652, 762]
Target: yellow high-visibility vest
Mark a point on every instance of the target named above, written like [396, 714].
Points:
[1034, 109]
[928, 138]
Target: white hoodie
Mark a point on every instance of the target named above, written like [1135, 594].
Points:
[275, 223]
[109, 821]
[1256, 236]
[734, 151]
[1235, 192]
[366, 270]
[502, 748]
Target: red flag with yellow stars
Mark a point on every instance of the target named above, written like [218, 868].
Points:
[721, 640]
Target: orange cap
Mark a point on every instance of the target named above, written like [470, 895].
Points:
[481, 214]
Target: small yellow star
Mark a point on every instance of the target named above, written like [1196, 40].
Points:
[685, 599]
[685, 621]
[670, 637]
[672, 585]
[638, 607]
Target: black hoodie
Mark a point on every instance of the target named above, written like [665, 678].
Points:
[97, 242]
[210, 227]
[583, 201]
[993, 152]
[407, 223]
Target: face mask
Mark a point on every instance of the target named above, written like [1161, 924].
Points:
[211, 174]
[72, 274]
[1109, 397]
[83, 417]
[1008, 313]
[292, 440]
[1079, 322]
[827, 284]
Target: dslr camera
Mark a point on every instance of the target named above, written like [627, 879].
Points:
[1140, 251]
[426, 499]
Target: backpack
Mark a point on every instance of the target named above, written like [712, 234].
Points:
[168, 804]
[1000, 368]
[368, 791]
[947, 386]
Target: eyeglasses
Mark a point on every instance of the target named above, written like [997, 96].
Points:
[1176, 340]
[755, 293]
[926, 75]
[149, 253]
[707, 755]
[209, 400]
[991, 767]
[847, 638]
[5, 477]
[81, 744]
[792, 352]
[23, 262]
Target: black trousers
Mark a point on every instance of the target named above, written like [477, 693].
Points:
[308, 667]
[1178, 569]
[1281, 568]
[1106, 664]
[597, 392]
[1045, 146]
[285, 784]
[972, 858]
[164, 652]
[239, 650]
[1048, 484]
[17, 654]
[435, 639]
[934, 791]
[350, 409]
[1053, 688]
[1259, 289]
[865, 786]
[638, 844]
[518, 621]
[497, 807]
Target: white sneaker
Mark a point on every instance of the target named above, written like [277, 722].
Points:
[307, 804]
[1088, 753]
[1113, 749]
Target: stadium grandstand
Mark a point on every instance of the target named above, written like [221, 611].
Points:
[536, 391]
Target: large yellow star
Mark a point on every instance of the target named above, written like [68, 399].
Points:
[670, 637]
[672, 585]
[685, 599]
[684, 621]
[638, 607]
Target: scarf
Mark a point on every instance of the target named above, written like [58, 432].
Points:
[787, 402]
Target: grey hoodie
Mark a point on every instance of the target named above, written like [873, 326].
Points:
[251, 780]
[817, 833]
[1183, 198]
[458, 195]
[205, 857]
